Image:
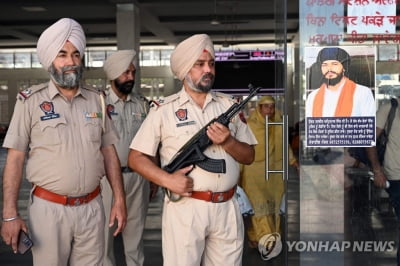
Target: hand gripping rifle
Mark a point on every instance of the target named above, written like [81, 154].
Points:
[192, 151]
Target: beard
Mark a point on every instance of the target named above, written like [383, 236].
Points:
[202, 85]
[69, 80]
[124, 87]
[333, 81]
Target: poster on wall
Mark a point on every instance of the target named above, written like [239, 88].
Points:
[331, 22]
[374, 17]
[340, 105]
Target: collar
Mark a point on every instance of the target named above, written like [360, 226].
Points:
[53, 91]
[184, 97]
[114, 97]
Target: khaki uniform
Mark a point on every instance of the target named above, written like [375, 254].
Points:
[127, 117]
[63, 139]
[195, 230]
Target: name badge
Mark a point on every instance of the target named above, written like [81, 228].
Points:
[48, 110]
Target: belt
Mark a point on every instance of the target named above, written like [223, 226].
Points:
[65, 200]
[126, 169]
[215, 197]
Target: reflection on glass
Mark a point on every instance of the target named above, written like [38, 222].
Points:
[387, 52]
[22, 60]
[6, 60]
[165, 55]
[95, 58]
[35, 61]
[150, 58]
[152, 88]
[96, 83]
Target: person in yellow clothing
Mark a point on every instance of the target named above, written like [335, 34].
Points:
[264, 228]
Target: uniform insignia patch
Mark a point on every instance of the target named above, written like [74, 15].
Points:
[48, 109]
[93, 115]
[25, 93]
[111, 110]
[154, 103]
[139, 115]
[181, 114]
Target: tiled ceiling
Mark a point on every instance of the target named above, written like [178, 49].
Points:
[162, 22]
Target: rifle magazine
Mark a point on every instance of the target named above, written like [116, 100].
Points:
[212, 165]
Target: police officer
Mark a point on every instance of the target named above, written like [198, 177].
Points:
[204, 227]
[70, 144]
[127, 110]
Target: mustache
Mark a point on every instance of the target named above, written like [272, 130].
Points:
[207, 75]
[68, 68]
[332, 72]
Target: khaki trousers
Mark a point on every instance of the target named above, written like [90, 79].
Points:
[66, 235]
[196, 232]
[137, 190]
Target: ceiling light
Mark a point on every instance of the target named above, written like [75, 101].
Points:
[215, 22]
[34, 8]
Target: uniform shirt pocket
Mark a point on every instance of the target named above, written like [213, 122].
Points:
[136, 122]
[93, 129]
[185, 131]
[51, 131]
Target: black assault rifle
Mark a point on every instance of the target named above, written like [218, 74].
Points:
[192, 151]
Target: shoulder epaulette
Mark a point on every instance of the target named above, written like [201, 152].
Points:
[226, 96]
[25, 94]
[106, 92]
[141, 97]
[160, 102]
[221, 94]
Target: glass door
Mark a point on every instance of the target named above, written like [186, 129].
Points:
[344, 219]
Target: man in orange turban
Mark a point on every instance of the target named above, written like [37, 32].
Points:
[338, 96]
